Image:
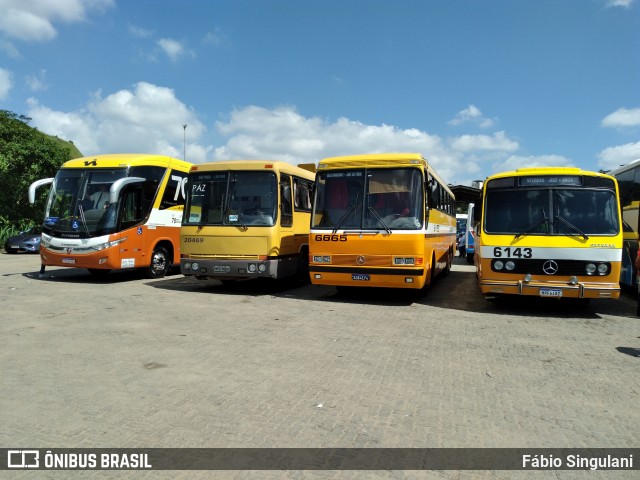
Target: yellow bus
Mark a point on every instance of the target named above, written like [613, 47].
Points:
[381, 220]
[550, 232]
[247, 219]
[114, 212]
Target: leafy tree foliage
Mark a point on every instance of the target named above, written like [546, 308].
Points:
[26, 155]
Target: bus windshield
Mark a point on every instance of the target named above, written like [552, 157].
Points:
[78, 204]
[371, 199]
[555, 211]
[237, 198]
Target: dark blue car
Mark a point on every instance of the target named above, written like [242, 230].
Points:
[27, 241]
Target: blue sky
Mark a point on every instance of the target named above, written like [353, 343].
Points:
[476, 86]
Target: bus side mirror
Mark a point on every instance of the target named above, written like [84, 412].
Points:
[118, 185]
[34, 186]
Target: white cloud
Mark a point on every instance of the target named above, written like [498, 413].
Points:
[515, 161]
[215, 38]
[37, 82]
[174, 49]
[284, 134]
[471, 114]
[6, 83]
[623, 117]
[33, 20]
[147, 119]
[613, 157]
[496, 142]
[618, 3]
[139, 31]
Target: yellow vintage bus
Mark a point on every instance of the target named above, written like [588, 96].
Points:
[380, 220]
[114, 212]
[247, 219]
[550, 232]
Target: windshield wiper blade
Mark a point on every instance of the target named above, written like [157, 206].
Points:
[571, 226]
[344, 217]
[544, 221]
[379, 218]
[231, 210]
[84, 220]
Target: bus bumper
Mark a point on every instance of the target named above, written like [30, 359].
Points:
[551, 290]
[244, 269]
[412, 280]
[107, 259]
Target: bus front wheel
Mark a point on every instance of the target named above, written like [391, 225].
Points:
[160, 263]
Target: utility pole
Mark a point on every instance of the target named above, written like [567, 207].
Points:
[184, 142]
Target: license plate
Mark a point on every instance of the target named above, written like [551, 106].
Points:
[361, 277]
[69, 260]
[550, 292]
[221, 268]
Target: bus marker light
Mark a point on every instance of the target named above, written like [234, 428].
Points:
[408, 280]
[317, 276]
[102, 260]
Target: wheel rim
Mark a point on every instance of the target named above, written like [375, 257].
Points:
[159, 262]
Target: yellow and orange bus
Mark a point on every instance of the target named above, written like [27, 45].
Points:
[550, 232]
[114, 212]
[247, 219]
[380, 220]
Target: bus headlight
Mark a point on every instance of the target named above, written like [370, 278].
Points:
[251, 268]
[510, 265]
[262, 268]
[106, 245]
[187, 266]
[590, 268]
[603, 269]
[498, 265]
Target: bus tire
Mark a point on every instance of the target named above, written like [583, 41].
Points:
[160, 263]
[302, 268]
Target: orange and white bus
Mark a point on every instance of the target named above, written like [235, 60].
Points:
[114, 212]
[381, 220]
[550, 232]
[247, 219]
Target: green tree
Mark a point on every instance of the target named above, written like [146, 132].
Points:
[26, 155]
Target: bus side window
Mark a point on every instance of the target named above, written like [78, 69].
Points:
[286, 210]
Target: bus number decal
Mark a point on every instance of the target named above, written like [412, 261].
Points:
[331, 238]
[512, 252]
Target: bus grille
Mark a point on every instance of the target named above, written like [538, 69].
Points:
[546, 266]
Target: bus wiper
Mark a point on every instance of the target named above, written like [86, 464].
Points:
[84, 220]
[379, 218]
[231, 210]
[571, 226]
[544, 221]
[344, 217]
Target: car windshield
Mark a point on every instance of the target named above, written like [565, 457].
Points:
[372, 199]
[78, 203]
[560, 211]
[237, 198]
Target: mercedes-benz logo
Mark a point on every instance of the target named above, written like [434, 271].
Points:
[550, 267]
[360, 260]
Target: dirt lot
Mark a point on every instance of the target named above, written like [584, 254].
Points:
[175, 362]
